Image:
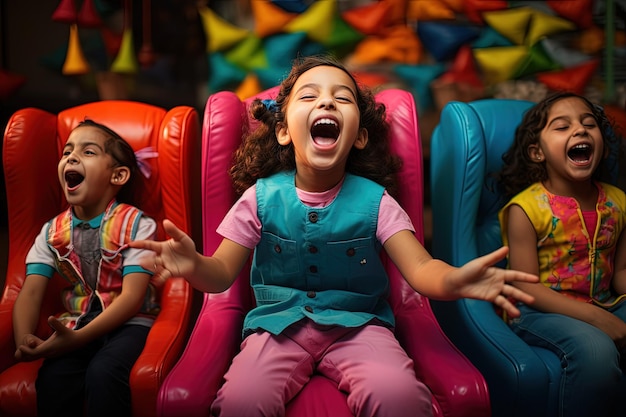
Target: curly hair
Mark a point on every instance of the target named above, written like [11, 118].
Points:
[519, 172]
[260, 155]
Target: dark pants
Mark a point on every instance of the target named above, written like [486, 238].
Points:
[94, 380]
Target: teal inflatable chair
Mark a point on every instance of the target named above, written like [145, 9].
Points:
[466, 147]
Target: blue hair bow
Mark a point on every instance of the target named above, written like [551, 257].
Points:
[270, 105]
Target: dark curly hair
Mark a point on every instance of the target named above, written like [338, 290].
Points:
[260, 155]
[519, 172]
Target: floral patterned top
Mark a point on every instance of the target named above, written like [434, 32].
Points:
[572, 259]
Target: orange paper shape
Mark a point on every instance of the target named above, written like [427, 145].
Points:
[573, 79]
[268, 18]
[249, 87]
[400, 45]
[370, 19]
[75, 62]
[428, 10]
[397, 11]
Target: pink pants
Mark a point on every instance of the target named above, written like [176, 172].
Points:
[366, 362]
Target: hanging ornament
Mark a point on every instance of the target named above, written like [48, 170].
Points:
[88, 15]
[65, 12]
[126, 62]
[75, 62]
[146, 53]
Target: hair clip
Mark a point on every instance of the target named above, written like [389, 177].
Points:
[142, 155]
[270, 105]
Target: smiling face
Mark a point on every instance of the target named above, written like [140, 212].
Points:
[322, 121]
[571, 144]
[89, 176]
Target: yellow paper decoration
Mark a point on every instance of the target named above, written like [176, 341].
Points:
[510, 23]
[126, 60]
[526, 25]
[316, 21]
[544, 25]
[220, 34]
[500, 63]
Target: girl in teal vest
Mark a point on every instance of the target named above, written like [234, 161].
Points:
[109, 302]
[317, 179]
[564, 222]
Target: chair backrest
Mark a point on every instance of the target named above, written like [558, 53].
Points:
[225, 124]
[466, 150]
[458, 389]
[33, 142]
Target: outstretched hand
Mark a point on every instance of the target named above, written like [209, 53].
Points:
[480, 279]
[175, 257]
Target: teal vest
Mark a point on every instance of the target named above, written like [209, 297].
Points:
[320, 263]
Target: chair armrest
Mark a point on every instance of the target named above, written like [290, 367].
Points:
[192, 385]
[163, 346]
[7, 344]
[457, 386]
[519, 380]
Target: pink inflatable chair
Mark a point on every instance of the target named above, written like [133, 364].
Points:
[458, 389]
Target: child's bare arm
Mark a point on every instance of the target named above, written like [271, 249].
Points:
[177, 257]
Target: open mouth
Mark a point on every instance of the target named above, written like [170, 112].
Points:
[580, 153]
[73, 179]
[325, 131]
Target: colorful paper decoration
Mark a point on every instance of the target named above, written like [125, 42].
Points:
[578, 11]
[269, 19]
[500, 63]
[419, 78]
[222, 74]
[399, 45]
[247, 54]
[526, 25]
[537, 60]
[443, 39]
[315, 21]
[75, 62]
[370, 19]
[428, 10]
[474, 9]
[488, 38]
[573, 79]
[220, 34]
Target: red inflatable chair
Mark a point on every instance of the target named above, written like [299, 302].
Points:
[32, 146]
[458, 389]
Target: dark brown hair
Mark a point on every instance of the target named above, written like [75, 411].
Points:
[123, 155]
[519, 172]
[260, 155]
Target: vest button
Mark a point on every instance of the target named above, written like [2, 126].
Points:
[311, 294]
[350, 252]
[313, 217]
[309, 309]
[313, 249]
[313, 268]
[277, 249]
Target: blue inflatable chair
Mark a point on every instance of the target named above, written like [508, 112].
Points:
[466, 147]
